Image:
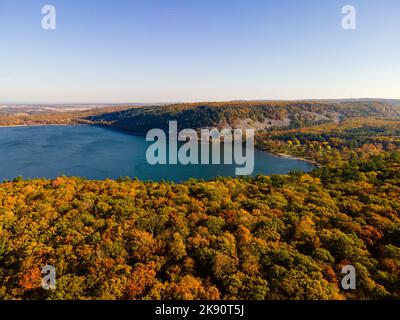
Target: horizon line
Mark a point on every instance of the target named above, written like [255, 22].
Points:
[191, 101]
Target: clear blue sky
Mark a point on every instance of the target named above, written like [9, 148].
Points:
[198, 50]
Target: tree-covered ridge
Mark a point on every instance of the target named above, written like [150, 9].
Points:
[270, 237]
[262, 116]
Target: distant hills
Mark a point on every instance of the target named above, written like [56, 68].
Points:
[260, 115]
[30, 109]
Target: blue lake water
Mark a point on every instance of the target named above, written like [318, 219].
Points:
[101, 153]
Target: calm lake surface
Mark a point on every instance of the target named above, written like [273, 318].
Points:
[101, 153]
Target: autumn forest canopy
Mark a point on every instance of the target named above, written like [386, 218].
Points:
[266, 237]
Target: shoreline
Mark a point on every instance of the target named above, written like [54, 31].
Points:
[40, 125]
[288, 156]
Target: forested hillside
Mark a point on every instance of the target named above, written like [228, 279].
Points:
[325, 132]
[335, 143]
[262, 116]
[277, 237]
